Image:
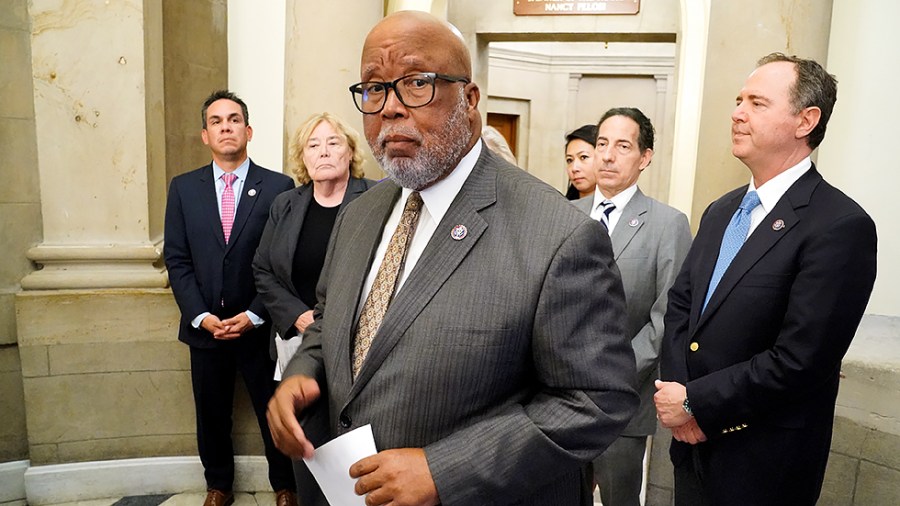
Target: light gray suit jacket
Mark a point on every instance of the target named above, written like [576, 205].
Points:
[650, 242]
[504, 354]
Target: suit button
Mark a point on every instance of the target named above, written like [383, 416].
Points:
[345, 421]
[695, 346]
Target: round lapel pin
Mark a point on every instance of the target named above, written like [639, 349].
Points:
[459, 232]
[251, 192]
[634, 222]
[778, 225]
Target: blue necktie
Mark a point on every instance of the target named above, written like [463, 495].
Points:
[734, 238]
[608, 208]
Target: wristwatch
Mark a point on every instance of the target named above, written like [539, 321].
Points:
[687, 407]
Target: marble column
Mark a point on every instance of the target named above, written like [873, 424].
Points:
[572, 98]
[657, 179]
[322, 53]
[734, 45]
[99, 119]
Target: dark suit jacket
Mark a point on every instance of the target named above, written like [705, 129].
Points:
[765, 355]
[205, 273]
[503, 355]
[273, 264]
[649, 244]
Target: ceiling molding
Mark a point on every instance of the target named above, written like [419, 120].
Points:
[582, 64]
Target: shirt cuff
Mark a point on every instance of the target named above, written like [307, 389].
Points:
[198, 320]
[255, 320]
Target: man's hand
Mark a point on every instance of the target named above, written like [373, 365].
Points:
[234, 327]
[689, 432]
[212, 324]
[292, 396]
[397, 477]
[669, 399]
[303, 321]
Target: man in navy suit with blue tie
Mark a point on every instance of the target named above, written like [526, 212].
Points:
[214, 219]
[765, 306]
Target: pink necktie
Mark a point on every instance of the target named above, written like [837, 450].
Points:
[228, 205]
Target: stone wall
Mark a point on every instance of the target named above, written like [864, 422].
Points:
[20, 211]
[106, 378]
[195, 63]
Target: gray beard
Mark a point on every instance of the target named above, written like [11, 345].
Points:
[433, 161]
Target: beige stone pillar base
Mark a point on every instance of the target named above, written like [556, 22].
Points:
[87, 481]
[90, 266]
[105, 378]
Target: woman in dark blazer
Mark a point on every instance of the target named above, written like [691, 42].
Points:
[328, 165]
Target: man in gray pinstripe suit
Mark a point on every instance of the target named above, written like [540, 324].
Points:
[650, 241]
[501, 366]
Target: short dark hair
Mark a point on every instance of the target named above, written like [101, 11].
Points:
[814, 87]
[219, 95]
[587, 133]
[645, 127]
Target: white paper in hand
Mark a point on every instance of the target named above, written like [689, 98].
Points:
[331, 462]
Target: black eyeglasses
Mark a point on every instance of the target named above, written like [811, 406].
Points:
[414, 90]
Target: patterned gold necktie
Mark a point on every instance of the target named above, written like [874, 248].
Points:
[382, 291]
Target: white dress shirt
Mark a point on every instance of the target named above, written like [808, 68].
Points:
[237, 186]
[772, 191]
[620, 200]
[436, 199]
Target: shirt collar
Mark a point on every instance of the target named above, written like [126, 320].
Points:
[240, 172]
[438, 197]
[772, 191]
[620, 200]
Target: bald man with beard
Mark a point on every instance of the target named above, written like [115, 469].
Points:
[501, 366]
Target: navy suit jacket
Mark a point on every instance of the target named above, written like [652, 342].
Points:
[763, 360]
[205, 273]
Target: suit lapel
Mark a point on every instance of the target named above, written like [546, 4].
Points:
[715, 220]
[209, 204]
[252, 188]
[630, 222]
[439, 260]
[355, 187]
[763, 238]
[295, 216]
[294, 224]
[365, 231]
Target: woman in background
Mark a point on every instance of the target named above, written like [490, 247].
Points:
[580, 162]
[328, 165]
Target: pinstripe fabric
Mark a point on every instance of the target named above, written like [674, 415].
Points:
[649, 244]
[504, 355]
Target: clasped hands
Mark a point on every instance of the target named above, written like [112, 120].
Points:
[397, 477]
[229, 329]
[669, 399]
